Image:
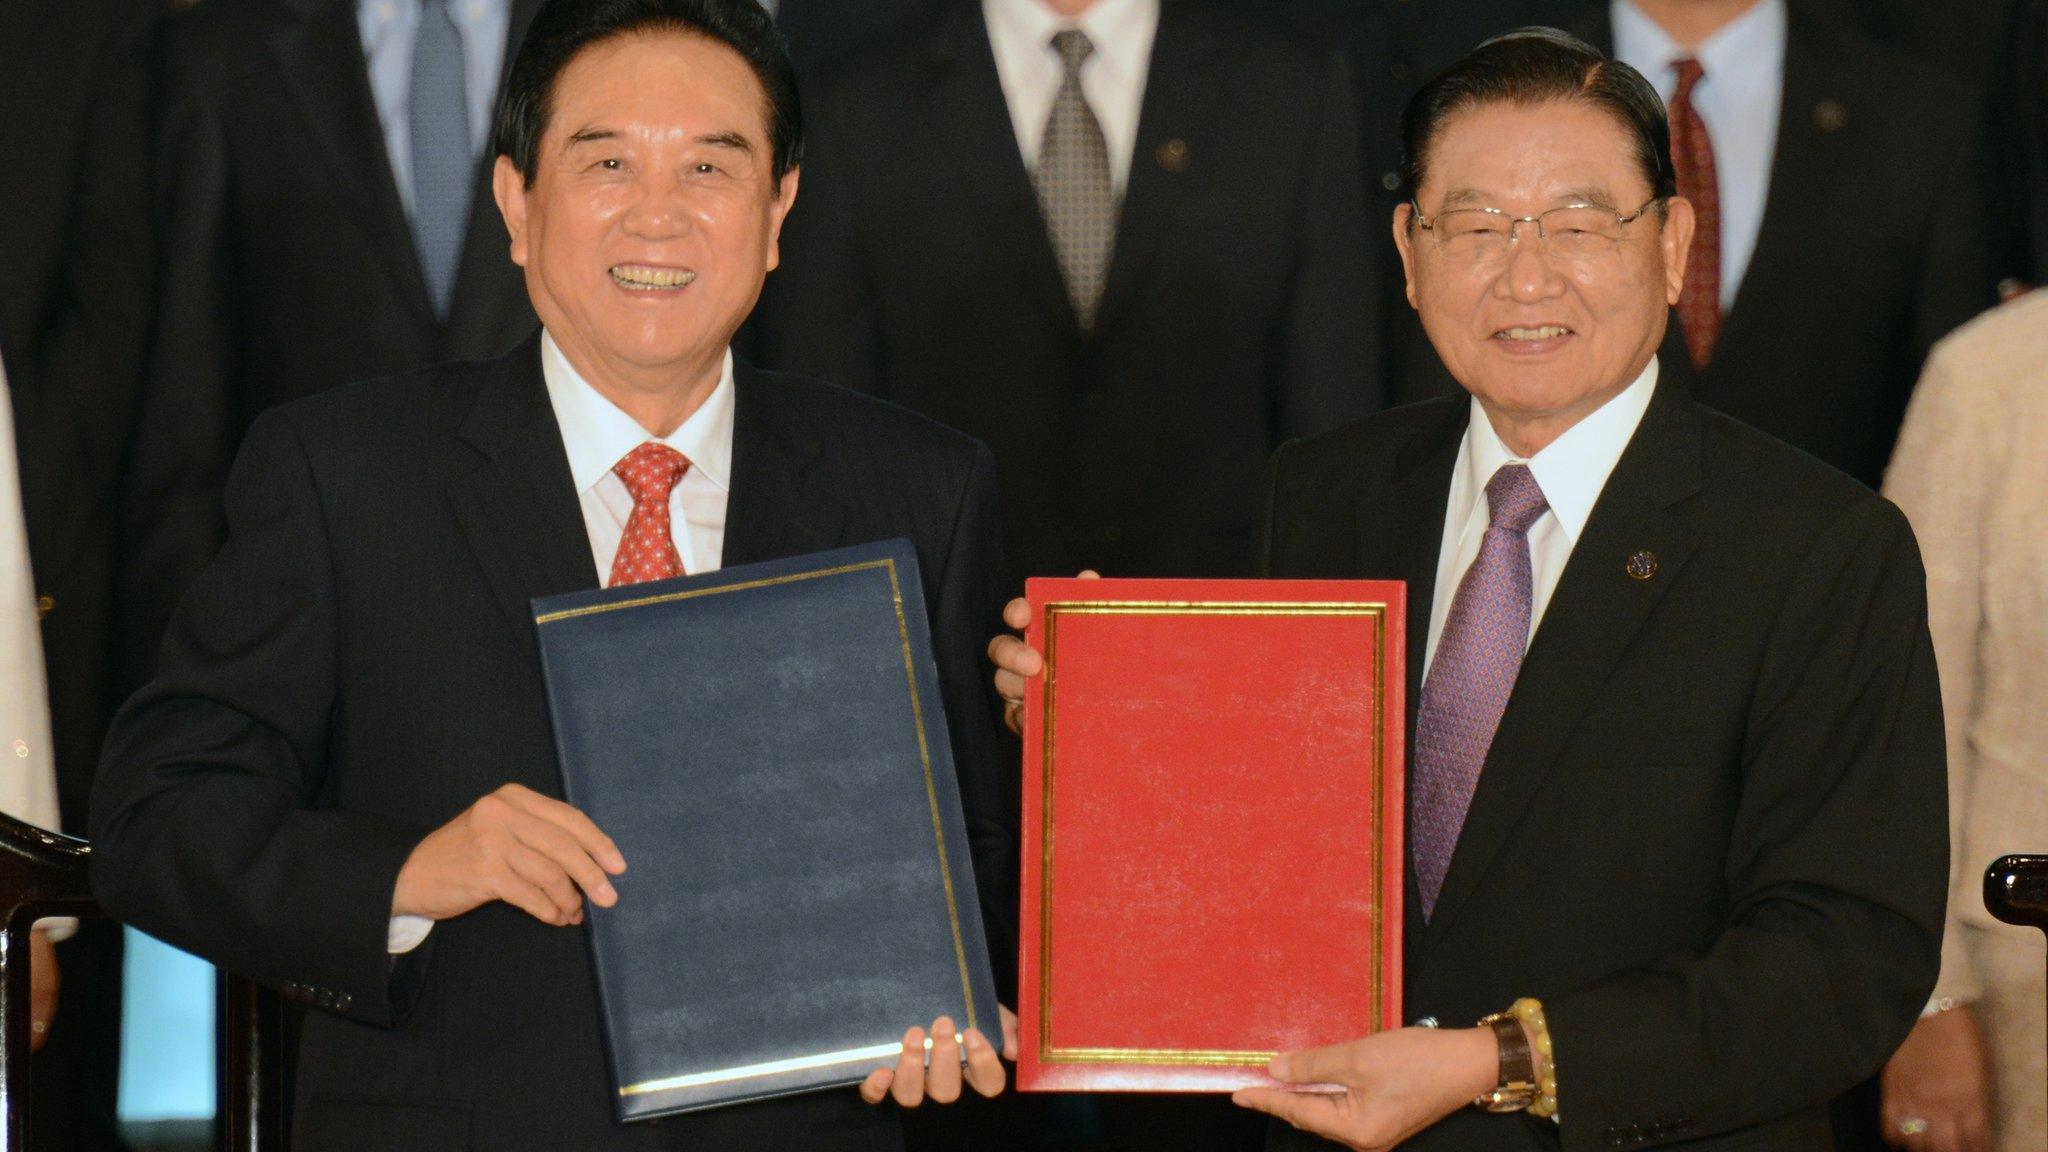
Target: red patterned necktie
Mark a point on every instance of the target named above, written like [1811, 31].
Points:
[646, 550]
[1692, 158]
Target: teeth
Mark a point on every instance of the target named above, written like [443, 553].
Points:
[1546, 332]
[640, 276]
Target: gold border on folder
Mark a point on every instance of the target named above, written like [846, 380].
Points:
[1049, 1053]
[924, 755]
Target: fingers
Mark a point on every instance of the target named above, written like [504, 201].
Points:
[1017, 613]
[1312, 1065]
[908, 1088]
[581, 828]
[543, 873]
[528, 897]
[877, 1084]
[984, 1071]
[569, 854]
[1309, 1111]
[1009, 1022]
[1012, 655]
[942, 1072]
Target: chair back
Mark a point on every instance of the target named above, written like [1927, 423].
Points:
[45, 873]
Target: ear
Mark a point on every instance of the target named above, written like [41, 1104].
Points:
[508, 188]
[785, 198]
[1404, 242]
[1677, 244]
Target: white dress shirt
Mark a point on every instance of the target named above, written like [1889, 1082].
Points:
[1571, 471]
[597, 434]
[28, 763]
[1741, 89]
[1112, 78]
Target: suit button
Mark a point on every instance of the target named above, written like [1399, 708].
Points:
[1615, 1138]
[342, 1001]
[45, 605]
[1391, 181]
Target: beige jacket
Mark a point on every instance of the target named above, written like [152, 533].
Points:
[1971, 472]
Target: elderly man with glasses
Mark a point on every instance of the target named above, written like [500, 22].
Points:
[1677, 826]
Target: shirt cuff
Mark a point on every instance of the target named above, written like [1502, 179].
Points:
[406, 933]
[58, 928]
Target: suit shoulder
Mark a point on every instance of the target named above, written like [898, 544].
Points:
[1766, 489]
[389, 410]
[841, 416]
[1371, 443]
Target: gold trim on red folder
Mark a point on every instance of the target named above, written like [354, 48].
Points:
[722, 1075]
[1048, 1053]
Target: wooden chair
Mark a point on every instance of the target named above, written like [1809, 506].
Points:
[45, 874]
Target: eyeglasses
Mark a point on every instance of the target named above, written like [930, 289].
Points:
[1579, 232]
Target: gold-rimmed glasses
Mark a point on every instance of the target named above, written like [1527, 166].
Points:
[1578, 232]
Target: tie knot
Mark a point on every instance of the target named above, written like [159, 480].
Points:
[651, 471]
[1074, 48]
[1689, 76]
[1513, 499]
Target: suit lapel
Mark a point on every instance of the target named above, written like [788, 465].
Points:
[1592, 618]
[515, 499]
[1421, 485]
[971, 119]
[779, 504]
[320, 58]
[1180, 90]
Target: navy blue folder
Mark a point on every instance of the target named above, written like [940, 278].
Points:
[767, 746]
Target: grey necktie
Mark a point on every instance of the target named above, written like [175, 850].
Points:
[1074, 188]
[442, 167]
[1477, 660]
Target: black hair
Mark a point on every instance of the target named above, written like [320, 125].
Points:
[564, 28]
[1533, 66]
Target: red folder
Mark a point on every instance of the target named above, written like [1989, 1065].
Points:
[1213, 816]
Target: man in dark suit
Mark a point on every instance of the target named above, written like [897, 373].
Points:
[342, 781]
[75, 294]
[1121, 241]
[323, 210]
[1677, 757]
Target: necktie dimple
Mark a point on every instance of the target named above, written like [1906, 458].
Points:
[1692, 160]
[1477, 659]
[443, 169]
[1075, 191]
[647, 551]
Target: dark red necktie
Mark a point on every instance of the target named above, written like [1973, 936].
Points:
[1692, 158]
[646, 550]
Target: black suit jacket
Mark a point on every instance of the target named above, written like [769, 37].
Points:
[1709, 834]
[822, 33]
[1238, 310]
[289, 264]
[76, 78]
[1877, 240]
[358, 666]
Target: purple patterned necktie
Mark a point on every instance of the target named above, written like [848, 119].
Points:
[1477, 658]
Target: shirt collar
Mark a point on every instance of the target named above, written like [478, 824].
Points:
[1742, 62]
[1573, 468]
[598, 434]
[1121, 31]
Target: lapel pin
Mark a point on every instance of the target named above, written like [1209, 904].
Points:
[1173, 155]
[1830, 116]
[1642, 565]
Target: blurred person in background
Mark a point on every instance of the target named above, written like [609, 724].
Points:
[76, 285]
[1971, 476]
[1846, 219]
[1123, 242]
[323, 208]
